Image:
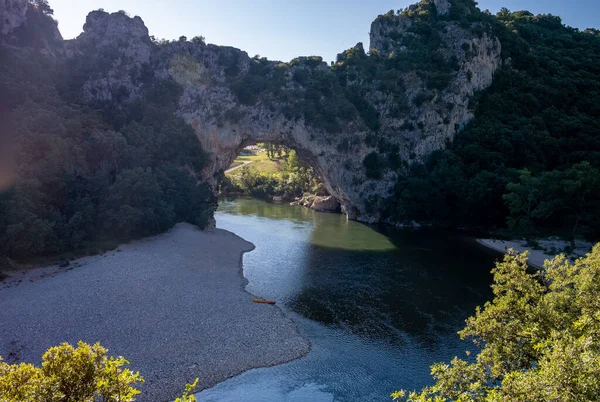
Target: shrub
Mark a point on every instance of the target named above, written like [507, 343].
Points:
[372, 165]
[198, 40]
[537, 339]
[69, 374]
[422, 97]
[82, 374]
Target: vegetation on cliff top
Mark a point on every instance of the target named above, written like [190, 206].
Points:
[81, 175]
[536, 127]
[330, 97]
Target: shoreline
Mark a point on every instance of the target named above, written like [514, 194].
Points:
[174, 305]
[549, 249]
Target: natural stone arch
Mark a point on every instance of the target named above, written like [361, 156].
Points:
[225, 144]
[344, 121]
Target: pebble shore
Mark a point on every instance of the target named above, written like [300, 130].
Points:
[174, 305]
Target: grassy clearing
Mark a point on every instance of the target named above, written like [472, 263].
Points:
[260, 156]
[260, 162]
[268, 166]
[235, 164]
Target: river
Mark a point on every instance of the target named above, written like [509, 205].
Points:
[378, 304]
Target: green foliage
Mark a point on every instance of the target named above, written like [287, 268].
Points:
[199, 40]
[373, 165]
[537, 340]
[328, 97]
[423, 97]
[68, 374]
[321, 101]
[86, 176]
[187, 395]
[42, 5]
[251, 182]
[40, 30]
[230, 62]
[541, 114]
[369, 114]
[521, 200]
[293, 179]
[556, 199]
[82, 374]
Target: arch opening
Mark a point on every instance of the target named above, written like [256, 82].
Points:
[275, 172]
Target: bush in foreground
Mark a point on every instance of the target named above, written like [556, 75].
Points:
[537, 340]
[69, 374]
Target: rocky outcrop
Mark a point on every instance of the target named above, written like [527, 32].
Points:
[318, 203]
[358, 122]
[13, 15]
[443, 112]
[25, 23]
[123, 45]
[442, 6]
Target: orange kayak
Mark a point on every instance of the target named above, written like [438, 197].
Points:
[255, 300]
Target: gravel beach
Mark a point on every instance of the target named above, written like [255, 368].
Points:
[174, 305]
[537, 257]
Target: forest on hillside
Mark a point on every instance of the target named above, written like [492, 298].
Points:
[530, 158]
[86, 178]
[529, 161]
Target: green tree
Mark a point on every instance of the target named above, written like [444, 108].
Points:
[43, 6]
[569, 198]
[134, 205]
[522, 199]
[87, 175]
[537, 340]
[68, 374]
[198, 40]
[372, 164]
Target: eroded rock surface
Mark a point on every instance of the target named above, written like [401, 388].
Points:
[318, 203]
[13, 13]
[358, 122]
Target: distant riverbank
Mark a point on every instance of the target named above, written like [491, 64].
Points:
[174, 305]
[546, 249]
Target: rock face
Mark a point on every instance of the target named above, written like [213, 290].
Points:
[13, 13]
[319, 203]
[358, 122]
[123, 43]
[439, 119]
[442, 6]
[23, 24]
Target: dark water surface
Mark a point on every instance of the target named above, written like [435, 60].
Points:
[378, 304]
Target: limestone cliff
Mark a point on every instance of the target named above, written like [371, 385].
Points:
[22, 23]
[13, 15]
[357, 122]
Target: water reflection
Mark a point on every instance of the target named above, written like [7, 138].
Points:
[327, 230]
[379, 305]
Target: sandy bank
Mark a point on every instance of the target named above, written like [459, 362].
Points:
[536, 259]
[173, 305]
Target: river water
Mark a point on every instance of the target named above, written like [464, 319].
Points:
[378, 304]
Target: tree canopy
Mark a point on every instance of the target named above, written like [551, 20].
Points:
[75, 374]
[541, 115]
[537, 340]
[84, 175]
